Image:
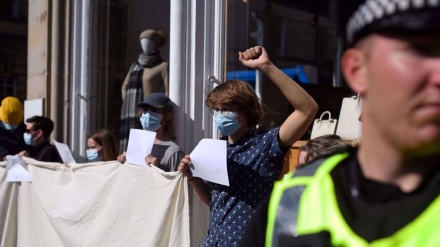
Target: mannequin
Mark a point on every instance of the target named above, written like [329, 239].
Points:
[147, 45]
[149, 74]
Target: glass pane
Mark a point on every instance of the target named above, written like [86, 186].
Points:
[123, 60]
[238, 38]
[300, 39]
[302, 42]
[13, 48]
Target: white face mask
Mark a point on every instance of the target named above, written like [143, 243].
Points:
[150, 120]
[92, 155]
[227, 124]
[29, 140]
[10, 127]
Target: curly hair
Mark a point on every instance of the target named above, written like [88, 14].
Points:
[238, 96]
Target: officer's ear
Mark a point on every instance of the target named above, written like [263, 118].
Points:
[354, 68]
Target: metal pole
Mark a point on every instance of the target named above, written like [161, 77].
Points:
[80, 78]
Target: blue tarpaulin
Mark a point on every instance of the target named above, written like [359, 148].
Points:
[297, 73]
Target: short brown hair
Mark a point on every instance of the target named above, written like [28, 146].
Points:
[238, 96]
[107, 140]
[322, 145]
[44, 124]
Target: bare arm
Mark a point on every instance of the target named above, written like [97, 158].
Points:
[305, 106]
[202, 189]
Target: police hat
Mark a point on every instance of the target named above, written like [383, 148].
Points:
[359, 18]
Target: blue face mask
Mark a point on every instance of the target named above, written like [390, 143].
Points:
[227, 125]
[150, 120]
[28, 139]
[92, 155]
[10, 127]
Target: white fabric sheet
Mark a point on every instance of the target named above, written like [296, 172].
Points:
[94, 204]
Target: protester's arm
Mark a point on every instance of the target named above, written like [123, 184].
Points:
[202, 189]
[305, 106]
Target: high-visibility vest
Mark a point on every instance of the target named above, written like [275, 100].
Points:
[307, 204]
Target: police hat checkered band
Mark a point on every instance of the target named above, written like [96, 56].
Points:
[375, 10]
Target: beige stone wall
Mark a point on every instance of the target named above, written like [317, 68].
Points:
[38, 50]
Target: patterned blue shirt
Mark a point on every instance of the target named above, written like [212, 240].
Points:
[254, 163]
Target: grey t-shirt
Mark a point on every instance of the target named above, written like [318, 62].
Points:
[169, 155]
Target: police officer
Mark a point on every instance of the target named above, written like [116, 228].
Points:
[386, 192]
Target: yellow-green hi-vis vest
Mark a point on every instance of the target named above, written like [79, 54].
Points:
[307, 204]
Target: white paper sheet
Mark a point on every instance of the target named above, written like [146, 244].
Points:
[17, 169]
[33, 107]
[140, 144]
[209, 161]
[65, 153]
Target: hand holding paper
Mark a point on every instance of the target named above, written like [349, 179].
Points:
[209, 161]
[140, 144]
[17, 169]
[65, 153]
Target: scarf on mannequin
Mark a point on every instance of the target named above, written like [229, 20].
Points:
[134, 95]
[151, 59]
